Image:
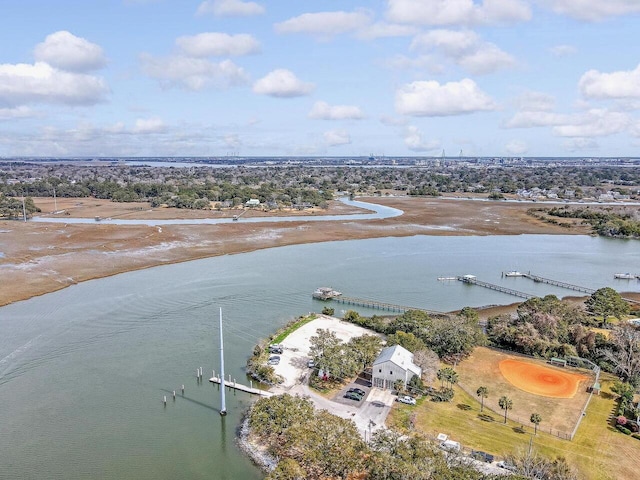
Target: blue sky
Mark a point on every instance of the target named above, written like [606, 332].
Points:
[276, 78]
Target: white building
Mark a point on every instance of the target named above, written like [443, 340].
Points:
[393, 364]
[252, 202]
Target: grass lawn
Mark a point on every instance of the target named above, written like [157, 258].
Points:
[598, 451]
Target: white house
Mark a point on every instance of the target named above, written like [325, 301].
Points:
[393, 364]
[252, 202]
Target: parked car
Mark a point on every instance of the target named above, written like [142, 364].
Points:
[482, 456]
[506, 466]
[311, 363]
[276, 348]
[407, 399]
[275, 360]
[359, 391]
[353, 396]
[450, 446]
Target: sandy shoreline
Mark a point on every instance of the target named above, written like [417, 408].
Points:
[39, 258]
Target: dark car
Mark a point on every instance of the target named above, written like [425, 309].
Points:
[482, 456]
[359, 391]
[275, 360]
[353, 396]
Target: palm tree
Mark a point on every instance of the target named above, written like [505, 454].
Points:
[482, 392]
[536, 418]
[506, 404]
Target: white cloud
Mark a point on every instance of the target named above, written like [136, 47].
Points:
[414, 141]
[465, 48]
[333, 138]
[592, 10]
[563, 50]
[457, 12]
[214, 44]
[580, 144]
[516, 147]
[192, 73]
[324, 111]
[149, 125]
[65, 51]
[622, 84]
[386, 30]
[282, 83]
[428, 62]
[390, 121]
[41, 83]
[16, 112]
[429, 98]
[230, 8]
[232, 140]
[325, 24]
[535, 102]
[594, 123]
[529, 119]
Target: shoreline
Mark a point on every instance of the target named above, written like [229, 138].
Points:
[40, 258]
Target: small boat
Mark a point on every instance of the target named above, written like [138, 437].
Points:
[513, 273]
[625, 276]
[443, 279]
[325, 293]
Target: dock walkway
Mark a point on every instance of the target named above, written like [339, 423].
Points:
[391, 307]
[242, 388]
[498, 288]
[558, 283]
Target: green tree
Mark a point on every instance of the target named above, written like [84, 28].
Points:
[406, 340]
[536, 418]
[447, 376]
[607, 302]
[328, 311]
[505, 404]
[364, 349]
[482, 392]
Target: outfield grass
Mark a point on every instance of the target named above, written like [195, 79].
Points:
[598, 451]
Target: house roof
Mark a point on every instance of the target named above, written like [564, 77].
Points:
[400, 356]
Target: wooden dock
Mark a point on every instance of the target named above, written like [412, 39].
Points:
[242, 388]
[375, 305]
[498, 288]
[558, 283]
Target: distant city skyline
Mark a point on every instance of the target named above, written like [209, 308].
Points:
[290, 78]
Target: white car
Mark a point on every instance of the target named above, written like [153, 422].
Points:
[407, 399]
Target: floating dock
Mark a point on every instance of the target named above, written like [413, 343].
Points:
[242, 388]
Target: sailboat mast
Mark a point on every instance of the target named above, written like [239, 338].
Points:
[223, 406]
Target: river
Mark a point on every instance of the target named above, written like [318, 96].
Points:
[83, 370]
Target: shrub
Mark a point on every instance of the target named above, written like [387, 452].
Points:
[633, 426]
[445, 395]
[624, 430]
[636, 435]
[621, 420]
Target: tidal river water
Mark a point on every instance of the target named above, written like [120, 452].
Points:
[83, 371]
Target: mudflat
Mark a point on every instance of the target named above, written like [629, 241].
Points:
[38, 258]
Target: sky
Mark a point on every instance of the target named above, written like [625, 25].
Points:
[100, 78]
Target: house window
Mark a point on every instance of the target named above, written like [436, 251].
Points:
[390, 372]
[380, 370]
